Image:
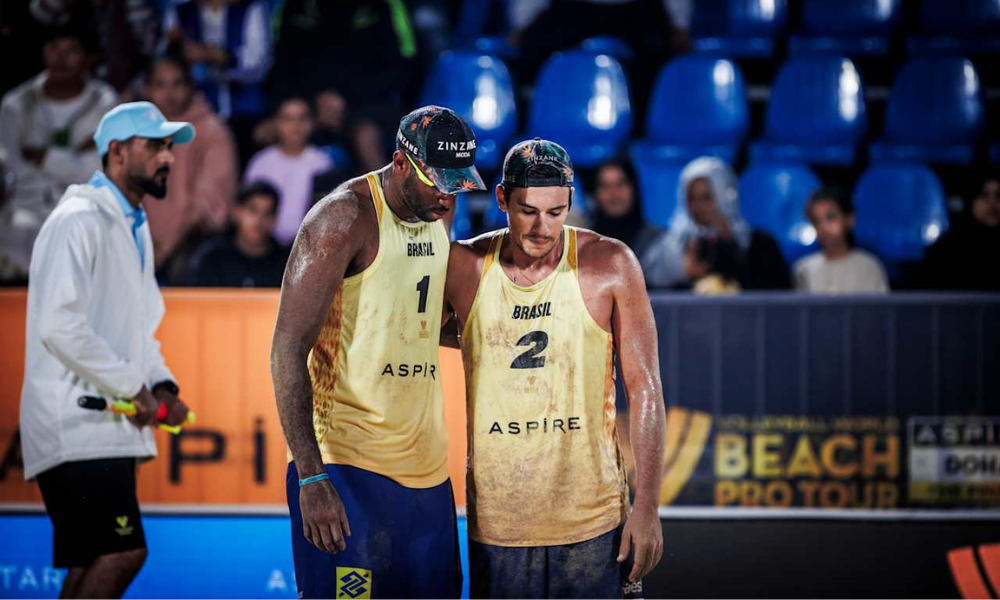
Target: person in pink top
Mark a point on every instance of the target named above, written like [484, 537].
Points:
[290, 166]
[204, 176]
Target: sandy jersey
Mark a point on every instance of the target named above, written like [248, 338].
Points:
[377, 400]
[544, 463]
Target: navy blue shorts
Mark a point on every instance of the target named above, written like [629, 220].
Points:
[588, 569]
[403, 544]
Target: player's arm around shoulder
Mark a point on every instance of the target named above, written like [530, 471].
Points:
[465, 267]
[635, 339]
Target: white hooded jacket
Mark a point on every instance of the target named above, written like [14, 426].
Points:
[92, 315]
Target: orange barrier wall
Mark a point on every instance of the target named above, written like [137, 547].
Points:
[217, 343]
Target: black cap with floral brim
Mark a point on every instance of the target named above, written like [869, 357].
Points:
[537, 163]
[443, 147]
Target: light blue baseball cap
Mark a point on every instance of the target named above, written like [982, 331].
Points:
[139, 119]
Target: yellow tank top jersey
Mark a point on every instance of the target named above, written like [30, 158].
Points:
[377, 400]
[544, 464]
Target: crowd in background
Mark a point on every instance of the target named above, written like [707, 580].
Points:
[291, 97]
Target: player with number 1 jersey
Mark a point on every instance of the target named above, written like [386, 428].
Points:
[355, 369]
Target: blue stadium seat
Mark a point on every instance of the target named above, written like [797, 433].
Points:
[582, 102]
[957, 28]
[855, 28]
[816, 114]
[935, 113]
[699, 108]
[610, 45]
[658, 181]
[773, 197]
[478, 87]
[900, 211]
[738, 28]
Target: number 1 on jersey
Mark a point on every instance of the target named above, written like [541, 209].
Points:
[422, 287]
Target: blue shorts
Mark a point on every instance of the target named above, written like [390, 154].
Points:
[403, 544]
[588, 569]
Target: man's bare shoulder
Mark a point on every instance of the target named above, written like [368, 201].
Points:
[340, 211]
[604, 256]
[474, 248]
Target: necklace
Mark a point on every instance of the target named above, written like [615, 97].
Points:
[522, 273]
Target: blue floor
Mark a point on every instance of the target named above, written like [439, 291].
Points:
[189, 557]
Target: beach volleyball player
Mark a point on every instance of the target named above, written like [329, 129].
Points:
[543, 310]
[354, 362]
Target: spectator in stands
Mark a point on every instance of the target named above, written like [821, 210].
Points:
[128, 31]
[710, 272]
[839, 268]
[364, 51]
[228, 43]
[13, 266]
[249, 256]
[619, 209]
[290, 166]
[47, 126]
[965, 257]
[708, 207]
[204, 175]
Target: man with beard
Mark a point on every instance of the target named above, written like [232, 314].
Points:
[93, 307]
[354, 365]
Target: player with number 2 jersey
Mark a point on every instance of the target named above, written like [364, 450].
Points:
[548, 308]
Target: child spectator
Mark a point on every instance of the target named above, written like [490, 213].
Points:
[839, 268]
[249, 256]
[290, 166]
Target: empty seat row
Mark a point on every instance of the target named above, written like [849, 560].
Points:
[816, 114]
[753, 28]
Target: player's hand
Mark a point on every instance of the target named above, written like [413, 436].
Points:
[177, 411]
[324, 520]
[643, 534]
[145, 408]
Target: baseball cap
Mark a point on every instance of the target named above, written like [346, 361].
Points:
[139, 119]
[443, 147]
[537, 163]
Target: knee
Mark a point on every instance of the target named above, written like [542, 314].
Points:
[128, 562]
[134, 559]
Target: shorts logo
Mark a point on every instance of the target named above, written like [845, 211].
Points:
[354, 583]
[123, 526]
[632, 589]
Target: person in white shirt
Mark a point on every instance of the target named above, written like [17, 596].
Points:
[93, 310]
[46, 127]
[839, 268]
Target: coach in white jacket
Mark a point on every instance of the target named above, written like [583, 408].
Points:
[93, 309]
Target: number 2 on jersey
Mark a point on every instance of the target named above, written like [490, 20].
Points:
[530, 359]
[422, 287]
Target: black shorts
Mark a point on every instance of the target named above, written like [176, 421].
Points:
[588, 569]
[93, 509]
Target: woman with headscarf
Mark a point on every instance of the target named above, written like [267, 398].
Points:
[708, 212]
[619, 208]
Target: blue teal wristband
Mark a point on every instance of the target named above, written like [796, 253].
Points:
[313, 479]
